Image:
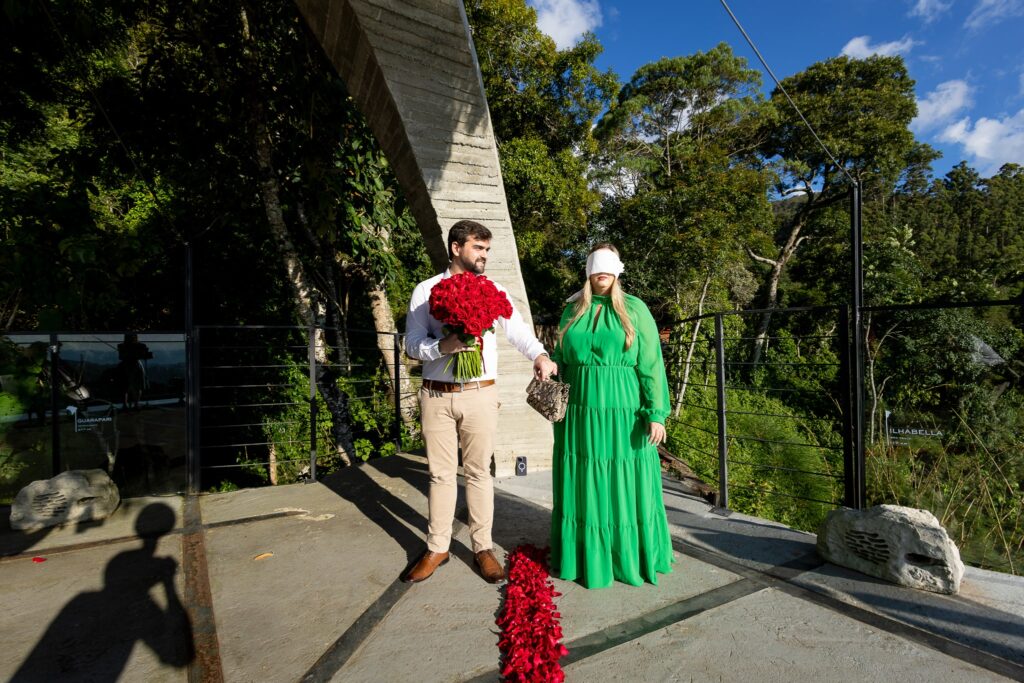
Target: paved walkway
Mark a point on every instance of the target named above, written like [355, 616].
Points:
[300, 583]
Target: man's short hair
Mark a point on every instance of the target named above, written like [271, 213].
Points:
[463, 230]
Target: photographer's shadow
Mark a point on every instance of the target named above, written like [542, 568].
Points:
[94, 634]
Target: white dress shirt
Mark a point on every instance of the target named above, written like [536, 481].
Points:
[423, 335]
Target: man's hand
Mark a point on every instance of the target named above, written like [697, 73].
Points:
[544, 367]
[656, 433]
[452, 344]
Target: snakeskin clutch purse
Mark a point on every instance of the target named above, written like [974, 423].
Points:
[549, 398]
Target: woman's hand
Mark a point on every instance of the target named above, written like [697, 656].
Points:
[655, 433]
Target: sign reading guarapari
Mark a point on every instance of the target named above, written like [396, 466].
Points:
[85, 423]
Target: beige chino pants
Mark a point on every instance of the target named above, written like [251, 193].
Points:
[469, 418]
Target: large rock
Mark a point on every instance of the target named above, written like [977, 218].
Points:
[899, 544]
[74, 496]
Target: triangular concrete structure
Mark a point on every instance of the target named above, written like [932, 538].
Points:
[412, 70]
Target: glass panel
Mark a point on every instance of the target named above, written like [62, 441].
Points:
[121, 408]
[25, 448]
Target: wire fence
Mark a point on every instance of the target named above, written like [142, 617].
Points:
[944, 421]
[757, 409]
[765, 408]
[278, 404]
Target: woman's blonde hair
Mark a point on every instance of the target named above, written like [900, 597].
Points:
[618, 299]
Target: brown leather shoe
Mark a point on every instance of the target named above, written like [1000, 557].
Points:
[425, 567]
[490, 568]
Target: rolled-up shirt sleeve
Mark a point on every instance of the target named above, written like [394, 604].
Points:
[419, 343]
[519, 333]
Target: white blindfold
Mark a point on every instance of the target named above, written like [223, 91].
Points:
[604, 261]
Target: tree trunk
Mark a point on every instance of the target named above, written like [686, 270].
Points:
[310, 309]
[334, 398]
[877, 391]
[774, 277]
[692, 346]
[272, 463]
[384, 324]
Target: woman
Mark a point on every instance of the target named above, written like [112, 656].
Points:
[609, 518]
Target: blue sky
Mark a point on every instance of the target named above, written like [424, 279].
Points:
[967, 56]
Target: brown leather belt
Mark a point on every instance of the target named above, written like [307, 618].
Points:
[452, 387]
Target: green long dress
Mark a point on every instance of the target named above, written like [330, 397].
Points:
[609, 521]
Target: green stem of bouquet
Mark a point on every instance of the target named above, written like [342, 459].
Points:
[468, 364]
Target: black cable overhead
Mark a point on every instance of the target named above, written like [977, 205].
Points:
[799, 113]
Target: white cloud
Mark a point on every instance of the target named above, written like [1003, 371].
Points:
[992, 142]
[861, 47]
[941, 105]
[929, 10]
[567, 20]
[988, 12]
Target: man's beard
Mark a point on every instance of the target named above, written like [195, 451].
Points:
[477, 267]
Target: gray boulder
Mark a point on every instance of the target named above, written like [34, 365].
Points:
[898, 544]
[74, 496]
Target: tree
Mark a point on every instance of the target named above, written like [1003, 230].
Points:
[861, 110]
[684, 191]
[289, 205]
[543, 102]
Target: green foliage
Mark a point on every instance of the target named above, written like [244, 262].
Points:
[535, 90]
[974, 492]
[784, 447]
[98, 202]
[225, 486]
[682, 194]
[758, 484]
[288, 429]
[861, 108]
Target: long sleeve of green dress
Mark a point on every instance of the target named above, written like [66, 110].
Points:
[650, 366]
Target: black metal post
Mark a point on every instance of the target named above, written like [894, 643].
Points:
[723, 448]
[197, 409]
[846, 392]
[55, 403]
[856, 243]
[191, 377]
[312, 403]
[396, 431]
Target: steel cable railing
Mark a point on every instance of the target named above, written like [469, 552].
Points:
[771, 419]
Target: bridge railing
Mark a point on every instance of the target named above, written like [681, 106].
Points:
[759, 400]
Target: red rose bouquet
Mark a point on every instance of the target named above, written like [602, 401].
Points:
[468, 304]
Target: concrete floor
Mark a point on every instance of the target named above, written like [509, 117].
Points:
[300, 583]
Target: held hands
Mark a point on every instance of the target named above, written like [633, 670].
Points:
[655, 433]
[544, 367]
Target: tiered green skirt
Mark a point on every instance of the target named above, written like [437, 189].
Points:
[609, 521]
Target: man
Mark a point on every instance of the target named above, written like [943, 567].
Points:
[466, 414]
